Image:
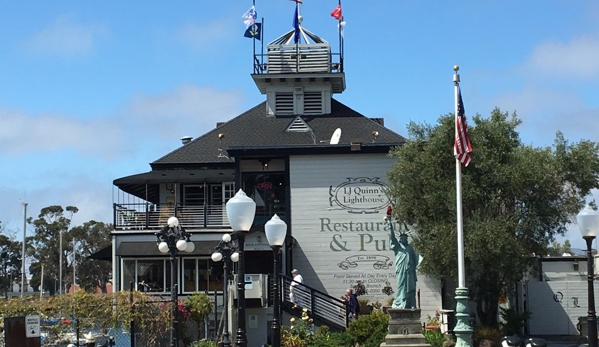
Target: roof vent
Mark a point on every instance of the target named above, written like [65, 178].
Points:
[381, 121]
[186, 139]
[298, 125]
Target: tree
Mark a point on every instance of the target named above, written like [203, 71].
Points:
[10, 261]
[557, 250]
[50, 226]
[516, 199]
[91, 237]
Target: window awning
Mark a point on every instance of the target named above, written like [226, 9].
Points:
[141, 249]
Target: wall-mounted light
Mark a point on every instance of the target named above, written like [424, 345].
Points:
[265, 163]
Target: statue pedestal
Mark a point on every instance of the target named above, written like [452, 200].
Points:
[405, 328]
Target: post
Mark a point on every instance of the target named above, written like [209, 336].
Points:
[226, 340]
[60, 264]
[276, 326]
[591, 318]
[241, 337]
[23, 257]
[173, 251]
[74, 265]
[462, 328]
[132, 323]
[42, 282]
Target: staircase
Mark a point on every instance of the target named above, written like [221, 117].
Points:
[322, 308]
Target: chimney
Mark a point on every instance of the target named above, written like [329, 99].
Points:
[186, 139]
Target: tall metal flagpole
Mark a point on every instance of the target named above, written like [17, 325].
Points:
[23, 258]
[462, 329]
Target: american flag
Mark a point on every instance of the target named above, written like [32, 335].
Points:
[461, 142]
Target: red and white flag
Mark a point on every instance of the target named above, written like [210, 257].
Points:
[461, 141]
[337, 13]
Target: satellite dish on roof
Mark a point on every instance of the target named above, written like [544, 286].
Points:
[336, 136]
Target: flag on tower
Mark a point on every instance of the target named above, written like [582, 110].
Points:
[249, 17]
[254, 31]
[461, 141]
[337, 13]
[296, 36]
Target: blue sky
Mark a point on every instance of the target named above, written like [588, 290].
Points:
[94, 91]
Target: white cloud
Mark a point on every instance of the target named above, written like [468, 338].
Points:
[91, 197]
[186, 110]
[576, 58]
[23, 133]
[65, 37]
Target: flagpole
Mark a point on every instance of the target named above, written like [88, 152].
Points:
[340, 40]
[462, 330]
[262, 44]
[254, 42]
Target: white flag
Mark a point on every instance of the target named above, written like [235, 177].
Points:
[249, 18]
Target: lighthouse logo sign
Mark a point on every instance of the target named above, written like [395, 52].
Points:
[359, 195]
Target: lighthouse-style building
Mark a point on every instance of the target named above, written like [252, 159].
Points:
[300, 154]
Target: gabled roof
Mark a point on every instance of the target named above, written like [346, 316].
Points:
[255, 129]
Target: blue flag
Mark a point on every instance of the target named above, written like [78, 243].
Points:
[296, 37]
[253, 31]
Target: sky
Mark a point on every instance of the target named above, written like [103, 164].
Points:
[91, 91]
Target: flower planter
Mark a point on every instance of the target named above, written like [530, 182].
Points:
[432, 327]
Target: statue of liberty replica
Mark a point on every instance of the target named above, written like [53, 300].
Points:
[405, 328]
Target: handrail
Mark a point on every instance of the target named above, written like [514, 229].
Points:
[322, 306]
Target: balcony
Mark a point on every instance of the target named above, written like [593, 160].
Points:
[147, 216]
[140, 216]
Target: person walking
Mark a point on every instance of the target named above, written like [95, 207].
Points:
[296, 288]
[353, 306]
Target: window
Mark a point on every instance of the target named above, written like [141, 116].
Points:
[268, 191]
[146, 275]
[154, 275]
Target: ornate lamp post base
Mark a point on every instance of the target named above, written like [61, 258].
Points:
[462, 330]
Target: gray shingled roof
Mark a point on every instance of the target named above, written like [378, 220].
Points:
[254, 129]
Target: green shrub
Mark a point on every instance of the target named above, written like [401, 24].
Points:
[334, 339]
[513, 322]
[365, 326]
[204, 343]
[375, 339]
[486, 333]
[434, 337]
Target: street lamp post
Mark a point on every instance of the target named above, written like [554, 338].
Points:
[240, 212]
[276, 230]
[588, 223]
[171, 239]
[225, 251]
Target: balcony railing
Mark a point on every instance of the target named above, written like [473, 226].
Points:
[145, 216]
[140, 216]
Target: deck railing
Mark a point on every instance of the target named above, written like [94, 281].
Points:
[140, 216]
[146, 216]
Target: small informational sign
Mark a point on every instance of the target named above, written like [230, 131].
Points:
[248, 282]
[32, 326]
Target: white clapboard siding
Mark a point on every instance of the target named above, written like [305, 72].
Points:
[320, 250]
